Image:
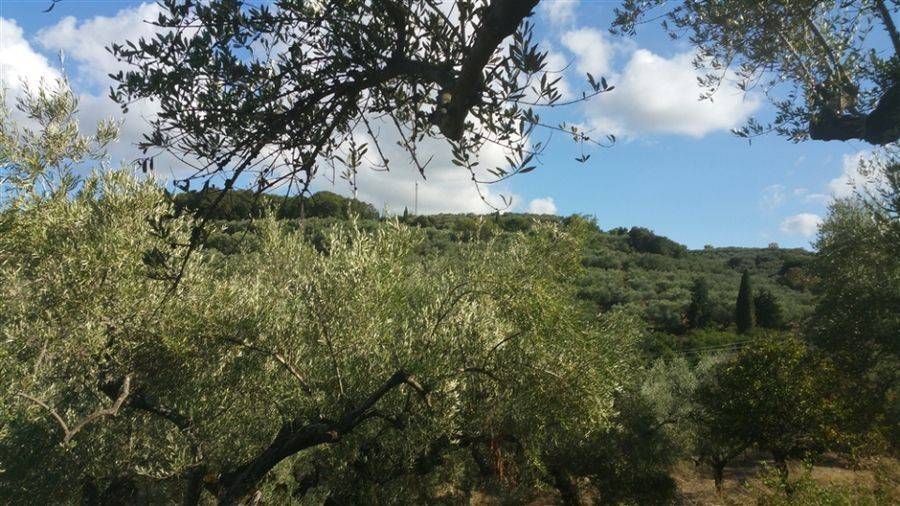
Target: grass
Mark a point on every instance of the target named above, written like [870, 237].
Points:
[826, 483]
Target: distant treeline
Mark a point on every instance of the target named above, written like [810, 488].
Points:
[239, 205]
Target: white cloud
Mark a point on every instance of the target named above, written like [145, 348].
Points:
[559, 12]
[773, 196]
[805, 224]
[86, 41]
[448, 188]
[542, 206]
[660, 95]
[19, 59]
[853, 180]
[18, 62]
[558, 64]
[593, 53]
[844, 185]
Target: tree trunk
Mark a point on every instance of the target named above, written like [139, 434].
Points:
[484, 467]
[120, 492]
[193, 487]
[500, 20]
[719, 476]
[242, 481]
[296, 436]
[90, 494]
[879, 127]
[780, 459]
[563, 482]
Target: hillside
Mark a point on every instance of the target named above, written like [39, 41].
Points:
[632, 270]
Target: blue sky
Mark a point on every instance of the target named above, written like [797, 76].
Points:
[676, 168]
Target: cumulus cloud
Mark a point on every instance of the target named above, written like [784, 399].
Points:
[559, 12]
[86, 41]
[655, 94]
[557, 63]
[448, 188]
[19, 64]
[853, 180]
[593, 53]
[542, 206]
[84, 44]
[804, 224]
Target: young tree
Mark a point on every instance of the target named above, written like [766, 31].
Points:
[699, 312]
[775, 394]
[841, 84]
[768, 310]
[717, 436]
[744, 315]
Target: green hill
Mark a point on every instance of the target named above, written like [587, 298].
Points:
[632, 270]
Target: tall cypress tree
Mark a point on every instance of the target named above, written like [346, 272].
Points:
[744, 314]
[699, 312]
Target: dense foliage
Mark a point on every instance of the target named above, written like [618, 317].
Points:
[856, 318]
[767, 310]
[348, 369]
[655, 287]
[699, 312]
[245, 205]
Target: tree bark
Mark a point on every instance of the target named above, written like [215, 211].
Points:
[120, 492]
[296, 436]
[193, 486]
[879, 127]
[90, 494]
[719, 477]
[564, 483]
[484, 467]
[501, 20]
[780, 459]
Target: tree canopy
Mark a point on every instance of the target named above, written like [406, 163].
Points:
[347, 370]
[855, 318]
[278, 90]
[841, 82]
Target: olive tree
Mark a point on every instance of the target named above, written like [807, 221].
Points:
[356, 367]
[855, 319]
[285, 89]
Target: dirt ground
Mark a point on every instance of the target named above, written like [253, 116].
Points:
[744, 480]
[745, 485]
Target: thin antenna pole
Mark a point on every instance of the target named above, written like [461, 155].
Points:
[416, 208]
